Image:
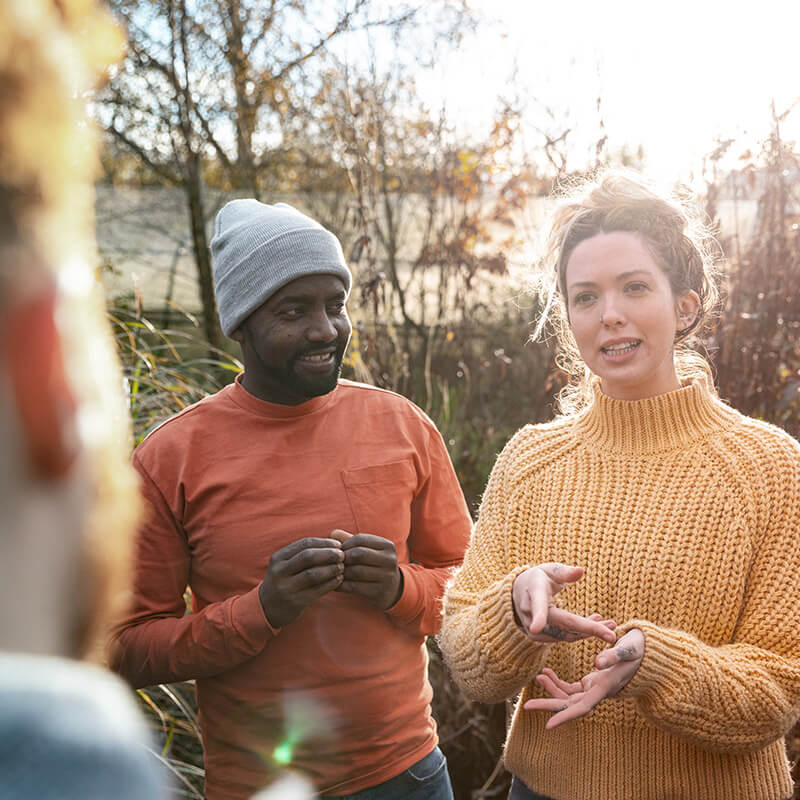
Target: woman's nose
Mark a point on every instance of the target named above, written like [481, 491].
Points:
[611, 315]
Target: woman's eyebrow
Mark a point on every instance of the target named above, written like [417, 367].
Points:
[623, 276]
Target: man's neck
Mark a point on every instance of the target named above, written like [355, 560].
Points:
[270, 392]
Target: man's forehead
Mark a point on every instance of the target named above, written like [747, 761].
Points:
[309, 287]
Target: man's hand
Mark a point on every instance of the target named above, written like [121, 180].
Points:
[298, 575]
[532, 594]
[615, 667]
[370, 568]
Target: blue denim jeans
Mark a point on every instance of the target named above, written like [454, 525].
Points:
[425, 780]
[519, 791]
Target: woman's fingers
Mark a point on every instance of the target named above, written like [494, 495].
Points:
[554, 704]
[568, 701]
[609, 623]
[541, 598]
[551, 687]
[568, 688]
[561, 574]
[580, 627]
[629, 648]
[607, 658]
[576, 708]
[533, 593]
[554, 686]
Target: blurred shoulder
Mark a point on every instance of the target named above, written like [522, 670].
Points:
[82, 723]
[51, 680]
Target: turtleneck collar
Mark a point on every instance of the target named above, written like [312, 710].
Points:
[665, 422]
[263, 408]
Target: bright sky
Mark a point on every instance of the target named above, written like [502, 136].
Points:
[672, 76]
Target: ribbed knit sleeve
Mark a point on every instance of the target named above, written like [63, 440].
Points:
[488, 654]
[743, 695]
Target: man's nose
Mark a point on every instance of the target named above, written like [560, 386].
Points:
[321, 328]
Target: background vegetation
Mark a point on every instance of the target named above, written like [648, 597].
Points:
[242, 98]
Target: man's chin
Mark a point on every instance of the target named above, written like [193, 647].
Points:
[318, 385]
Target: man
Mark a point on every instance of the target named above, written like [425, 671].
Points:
[315, 520]
[68, 500]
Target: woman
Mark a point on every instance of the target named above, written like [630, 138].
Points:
[635, 566]
[68, 494]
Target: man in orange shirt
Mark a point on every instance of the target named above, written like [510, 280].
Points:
[315, 521]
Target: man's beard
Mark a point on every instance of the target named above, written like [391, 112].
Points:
[301, 385]
[317, 385]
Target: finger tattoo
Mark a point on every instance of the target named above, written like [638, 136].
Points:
[557, 633]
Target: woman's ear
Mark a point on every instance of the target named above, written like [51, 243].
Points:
[686, 309]
[32, 359]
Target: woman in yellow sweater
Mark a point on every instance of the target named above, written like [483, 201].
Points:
[635, 567]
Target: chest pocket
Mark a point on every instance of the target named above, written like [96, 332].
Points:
[380, 498]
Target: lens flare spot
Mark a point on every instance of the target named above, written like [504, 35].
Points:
[283, 753]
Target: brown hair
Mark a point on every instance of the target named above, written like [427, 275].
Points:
[672, 229]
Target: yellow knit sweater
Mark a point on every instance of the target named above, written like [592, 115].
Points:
[686, 516]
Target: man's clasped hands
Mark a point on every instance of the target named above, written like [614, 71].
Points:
[302, 572]
[533, 596]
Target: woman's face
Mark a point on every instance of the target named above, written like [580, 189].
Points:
[624, 315]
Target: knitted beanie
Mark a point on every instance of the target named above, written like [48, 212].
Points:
[257, 249]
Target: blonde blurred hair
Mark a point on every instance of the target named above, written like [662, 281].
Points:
[673, 230]
[51, 54]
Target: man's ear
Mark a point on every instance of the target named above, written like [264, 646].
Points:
[687, 308]
[32, 358]
[237, 335]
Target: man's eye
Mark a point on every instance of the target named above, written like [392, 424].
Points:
[292, 313]
[336, 308]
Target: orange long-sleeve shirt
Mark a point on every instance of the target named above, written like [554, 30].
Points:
[342, 690]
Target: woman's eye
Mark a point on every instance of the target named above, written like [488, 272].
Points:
[583, 298]
[637, 287]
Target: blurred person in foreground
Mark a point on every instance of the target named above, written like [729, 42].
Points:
[649, 503]
[315, 521]
[68, 500]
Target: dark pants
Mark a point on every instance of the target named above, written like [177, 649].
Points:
[425, 780]
[519, 791]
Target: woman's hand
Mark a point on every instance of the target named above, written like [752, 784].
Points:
[615, 667]
[532, 594]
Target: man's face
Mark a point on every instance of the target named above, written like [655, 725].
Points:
[294, 343]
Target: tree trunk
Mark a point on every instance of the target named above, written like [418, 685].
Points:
[202, 255]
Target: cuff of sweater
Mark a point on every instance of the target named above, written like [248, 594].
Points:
[406, 609]
[498, 625]
[250, 621]
[663, 662]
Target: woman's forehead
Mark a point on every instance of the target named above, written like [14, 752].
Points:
[618, 255]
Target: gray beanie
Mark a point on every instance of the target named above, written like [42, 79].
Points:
[257, 249]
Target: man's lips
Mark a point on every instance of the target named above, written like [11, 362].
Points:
[319, 361]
